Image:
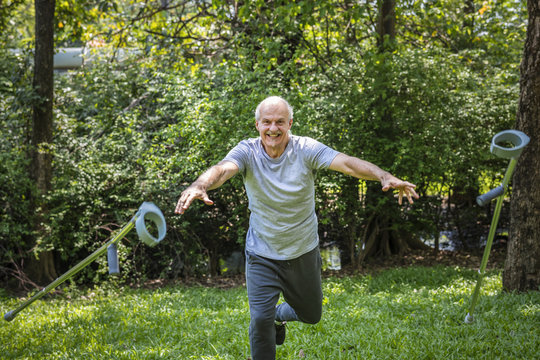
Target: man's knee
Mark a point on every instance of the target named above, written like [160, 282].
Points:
[261, 321]
[313, 317]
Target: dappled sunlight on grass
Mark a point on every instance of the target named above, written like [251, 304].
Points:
[531, 310]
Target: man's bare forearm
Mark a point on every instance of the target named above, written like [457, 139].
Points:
[365, 170]
[212, 178]
[358, 168]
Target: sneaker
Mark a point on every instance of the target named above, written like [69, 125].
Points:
[280, 332]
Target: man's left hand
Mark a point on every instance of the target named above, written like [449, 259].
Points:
[404, 188]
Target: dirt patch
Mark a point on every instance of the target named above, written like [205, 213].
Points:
[470, 259]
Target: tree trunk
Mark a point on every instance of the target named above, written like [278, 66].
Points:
[378, 238]
[522, 266]
[350, 195]
[465, 39]
[386, 25]
[42, 268]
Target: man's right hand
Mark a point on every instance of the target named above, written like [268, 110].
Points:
[191, 193]
[211, 179]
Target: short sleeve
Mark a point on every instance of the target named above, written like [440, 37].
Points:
[318, 155]
[239, 155]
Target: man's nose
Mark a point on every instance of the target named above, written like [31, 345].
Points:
[273, 127]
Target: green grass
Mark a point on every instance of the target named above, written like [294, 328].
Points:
[411, 313]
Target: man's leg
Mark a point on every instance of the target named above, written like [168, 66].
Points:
[301, 282]
[263, 289]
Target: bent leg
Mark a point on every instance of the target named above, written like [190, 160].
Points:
[301, 281]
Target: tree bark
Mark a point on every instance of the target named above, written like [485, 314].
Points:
[42, 268]
[465, 39]
[522, 266]
[386, 26]
[378, 238]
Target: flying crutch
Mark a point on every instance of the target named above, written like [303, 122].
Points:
[147, 211]
[517, 141]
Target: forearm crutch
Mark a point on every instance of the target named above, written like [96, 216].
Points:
[147, 211]
[518, 141]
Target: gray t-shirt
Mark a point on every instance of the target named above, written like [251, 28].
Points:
[281, 194]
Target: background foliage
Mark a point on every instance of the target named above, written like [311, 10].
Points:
[173, 87]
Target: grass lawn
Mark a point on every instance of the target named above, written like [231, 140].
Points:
[408, 313]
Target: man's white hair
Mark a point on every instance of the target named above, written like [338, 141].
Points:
[273, 99]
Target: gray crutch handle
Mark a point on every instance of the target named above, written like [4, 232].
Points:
[490, 195]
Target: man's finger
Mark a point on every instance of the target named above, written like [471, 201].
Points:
[187, 198]
[183, 203]
[179, 207]
[409, 193]
[188, 202]
[410, 198]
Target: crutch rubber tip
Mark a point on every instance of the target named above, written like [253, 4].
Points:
[469, 319]
[9, 316]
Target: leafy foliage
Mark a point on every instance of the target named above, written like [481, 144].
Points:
[176, 88]
[15, 185]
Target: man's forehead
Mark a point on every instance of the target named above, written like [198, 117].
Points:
[274, 108]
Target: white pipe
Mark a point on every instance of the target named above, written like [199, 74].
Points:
[68, 58]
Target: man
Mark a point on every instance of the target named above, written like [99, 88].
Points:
[282, 254]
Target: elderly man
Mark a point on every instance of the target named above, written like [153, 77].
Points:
[282, 254]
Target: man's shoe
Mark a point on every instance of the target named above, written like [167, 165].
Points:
[280, 332]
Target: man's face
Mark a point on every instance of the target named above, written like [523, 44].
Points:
[273, 127]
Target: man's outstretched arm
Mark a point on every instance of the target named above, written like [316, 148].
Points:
[362, 169]
[211, 179]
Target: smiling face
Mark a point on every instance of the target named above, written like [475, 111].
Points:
[273, 126]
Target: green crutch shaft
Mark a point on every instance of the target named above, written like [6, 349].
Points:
[491, 236]
[74, 270]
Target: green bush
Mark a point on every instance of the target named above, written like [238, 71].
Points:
[16, 213]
